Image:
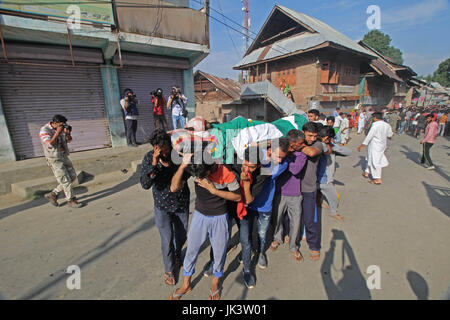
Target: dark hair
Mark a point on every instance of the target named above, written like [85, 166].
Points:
[295, 135]
[59, 118]
[314, 111]
[331, 118]
[159, 138]
[310, 127]
[326, 131]
[202, 169]
[377, 115]
[126, 91]
[431, 115]
[282, 143]
[251, 152]
[322, 116]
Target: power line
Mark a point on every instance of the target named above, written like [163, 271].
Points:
[229, 35]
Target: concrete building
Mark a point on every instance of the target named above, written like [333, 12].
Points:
[48, 67]
[211, 93]
[320, 65]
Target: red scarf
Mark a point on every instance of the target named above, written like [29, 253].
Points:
[241, 208]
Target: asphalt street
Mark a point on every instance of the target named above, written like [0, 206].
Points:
[400, 228]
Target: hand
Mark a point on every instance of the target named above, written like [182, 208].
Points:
[156, 154]
[186, 160]
[59, 129]
[360, 148]
[244, 177]
[421, 142]
[208, 185]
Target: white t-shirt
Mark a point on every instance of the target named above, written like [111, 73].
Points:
[128, 117]
[337, 122]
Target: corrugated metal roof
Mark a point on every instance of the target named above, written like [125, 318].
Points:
[228, 86]
[324, 33]
[377, 63]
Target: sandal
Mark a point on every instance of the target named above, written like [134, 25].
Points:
[214, 295]
[337, 216]
[298, 256]
[314, 255]
[177, 296]
[274, 245]
[365, 176]
[169, 279]
[286, 239]
[373, 182]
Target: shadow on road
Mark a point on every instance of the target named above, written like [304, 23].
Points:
[418, 285]
[361, 163]
[352, 284]
[415, 157]
[98, 252]
[439, 197]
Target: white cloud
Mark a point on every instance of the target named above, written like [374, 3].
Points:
[415, 14]
[220, 64]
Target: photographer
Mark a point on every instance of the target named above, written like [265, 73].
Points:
[129, 106]
[54, 137]
[158, 110]
[177, 102]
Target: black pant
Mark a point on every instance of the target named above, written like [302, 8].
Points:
[160, 122]
[131, 128]
[426, 159]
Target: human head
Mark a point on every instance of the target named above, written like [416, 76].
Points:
[252, 159]
[377, 116]
[278, 150]
[313, 115]
[128, 92]
[296, 140]
[326, 133]
[202, 164]
[58, 120]
[338, 109]
[330, 121]
[322, 117]
[430, 117]
[161, 139]
[310, 129]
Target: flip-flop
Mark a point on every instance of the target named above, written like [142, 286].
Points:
[367, 177]
[314, 256]
[214, 294]
[177, 296]
[373, 182]
[169, 276]
[336, 216]
[274, 245]
[298, 256]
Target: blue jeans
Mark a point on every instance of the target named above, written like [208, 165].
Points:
[172, 228]
[245, 234]
[402, 127]
[178, 122]
[312, 220]
[216, 229]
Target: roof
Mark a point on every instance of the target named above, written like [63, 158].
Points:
[318, 33]
[228, 86]
[378, 64]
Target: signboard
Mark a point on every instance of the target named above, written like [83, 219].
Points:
[99, 11]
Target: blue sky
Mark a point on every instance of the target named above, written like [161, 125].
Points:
[419, 28]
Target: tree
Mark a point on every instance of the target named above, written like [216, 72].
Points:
[441, 75]
[382, 43]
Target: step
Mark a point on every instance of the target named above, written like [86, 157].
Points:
[36, 188]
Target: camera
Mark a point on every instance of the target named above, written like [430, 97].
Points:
[157, 93]
[67, 127]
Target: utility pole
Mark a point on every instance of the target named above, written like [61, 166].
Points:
[246, 29]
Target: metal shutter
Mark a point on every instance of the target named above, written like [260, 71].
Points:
[32, 95]
[143, 80]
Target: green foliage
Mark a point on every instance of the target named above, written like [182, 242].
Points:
[441, 75]
[382, 43]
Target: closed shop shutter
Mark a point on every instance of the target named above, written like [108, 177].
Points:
[144, 80]
[32, 95]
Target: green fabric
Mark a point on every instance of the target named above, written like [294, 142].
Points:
[228, 131]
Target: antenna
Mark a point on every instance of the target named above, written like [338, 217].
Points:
[246, 27]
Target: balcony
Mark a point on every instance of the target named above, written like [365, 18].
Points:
[170, 19]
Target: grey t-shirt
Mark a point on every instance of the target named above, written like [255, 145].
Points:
[308, 175]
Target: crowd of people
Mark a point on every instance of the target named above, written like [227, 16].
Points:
[278, 182]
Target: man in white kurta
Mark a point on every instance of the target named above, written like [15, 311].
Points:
[361, 121]
[376, 141]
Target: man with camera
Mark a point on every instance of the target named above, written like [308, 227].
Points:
[158, 110]
[54, 138]
[129, 106]
[177, 102]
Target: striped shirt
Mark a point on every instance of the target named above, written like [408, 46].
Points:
[60, 149]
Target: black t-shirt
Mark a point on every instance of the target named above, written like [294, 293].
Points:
[209, 204]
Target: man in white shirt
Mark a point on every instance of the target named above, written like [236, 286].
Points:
[177, 102]
[376, 140]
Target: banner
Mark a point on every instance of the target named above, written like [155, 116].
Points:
[98, 11]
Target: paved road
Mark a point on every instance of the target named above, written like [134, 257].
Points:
[402, 227]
